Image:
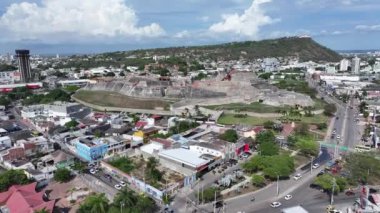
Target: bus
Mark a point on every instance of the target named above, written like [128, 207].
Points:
[361, 148]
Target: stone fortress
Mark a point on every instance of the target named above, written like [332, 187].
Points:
[242, 87]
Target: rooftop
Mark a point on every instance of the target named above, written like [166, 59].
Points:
[184, 156]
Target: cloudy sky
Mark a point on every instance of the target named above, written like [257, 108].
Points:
[86, 26]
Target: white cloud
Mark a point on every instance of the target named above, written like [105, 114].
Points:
[182, 34]
[83, 18]
[205, 18]
[368, 27]
[247, 24]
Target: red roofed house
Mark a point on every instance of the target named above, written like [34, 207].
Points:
[140, 124]
[287, 129]
[24, 199]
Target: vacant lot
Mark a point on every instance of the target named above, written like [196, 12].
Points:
[114, 99]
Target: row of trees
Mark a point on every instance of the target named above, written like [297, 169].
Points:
[126, 201]
[303, 141]
[53, 95]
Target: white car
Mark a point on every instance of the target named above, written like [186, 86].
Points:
[338, 137]
[297, 176]
[92, 171]
[288, 197]
[275, 204]
[315, 166]
[122, 183]
[117, 186]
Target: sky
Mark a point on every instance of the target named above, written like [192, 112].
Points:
[89, 26]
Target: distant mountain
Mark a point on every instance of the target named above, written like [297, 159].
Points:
[303, 47]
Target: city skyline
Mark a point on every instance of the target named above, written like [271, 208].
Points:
[53, 26]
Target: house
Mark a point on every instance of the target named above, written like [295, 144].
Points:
[5, 142]
[24, 199]
[252, 132]
[38, 144]
[90, 149]
[116, 144]
[59, 159]
[155, 146]
[12, 154]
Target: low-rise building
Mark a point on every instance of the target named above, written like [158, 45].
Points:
[90, 149]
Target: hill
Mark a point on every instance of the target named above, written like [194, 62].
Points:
[303, 47]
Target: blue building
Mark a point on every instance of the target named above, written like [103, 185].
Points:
[91, 150]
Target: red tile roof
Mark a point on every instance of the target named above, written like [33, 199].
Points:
[287, 129]
[141, 124]
[164, 142]
[29, 146]
[25, 199]
[258, 129]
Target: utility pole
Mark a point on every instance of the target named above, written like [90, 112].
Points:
[332, 193]
[278, 188]
[215, 202]
[311, 165]
[202, 193]
[198, 196]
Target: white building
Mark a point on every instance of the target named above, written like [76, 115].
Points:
[5, 142]
[355, 68]
[344, 64]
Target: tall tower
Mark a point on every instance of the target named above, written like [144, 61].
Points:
[355, 68]
[24, 65]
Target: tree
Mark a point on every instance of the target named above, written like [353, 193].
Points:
[71, 124]
[302, 129]
[363, 168]
[371, 62]
[62, 175]
[265, 136]
[365, 114]
[151, 170]
[41, 211]
[258, 180]
[12, 177]
[265, 76]
[307, 146]
[326, 182]
[329, 109]
[4, 101]
[123, 163]
[271, 166]
[131, 202]
[268, 124]
[230, 135]
[209, 194]
[97, 203]
[268, 148]
[322, 126]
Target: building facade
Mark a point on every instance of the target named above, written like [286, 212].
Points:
[24, 65]
[355, 65]
[90, 150]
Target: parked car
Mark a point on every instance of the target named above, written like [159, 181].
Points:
[315, 166]
[92, 171]
[288, 197]
[117, 186]
[275, 204]
[297, 176]
[122, 183]
[338, 137]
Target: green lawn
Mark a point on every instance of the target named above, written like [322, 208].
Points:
[261, 108]
[253, 107]
[229, 119]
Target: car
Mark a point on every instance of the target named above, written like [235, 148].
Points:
[321, 173]
[96, 169]
[92, 171]
[288, 197]
[245, 155]
[117, 186]
[338, 137]
[350, 193]
[275, 204]
[122, 183]
[315, 166]
[297, 176]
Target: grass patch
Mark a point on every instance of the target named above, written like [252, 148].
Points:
[253, 107]
[319, 103]
[114, 99]
[229, 119]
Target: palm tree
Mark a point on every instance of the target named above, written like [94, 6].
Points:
[126, 197]
[97, 203]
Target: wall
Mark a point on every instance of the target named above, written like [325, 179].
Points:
[136, 183]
